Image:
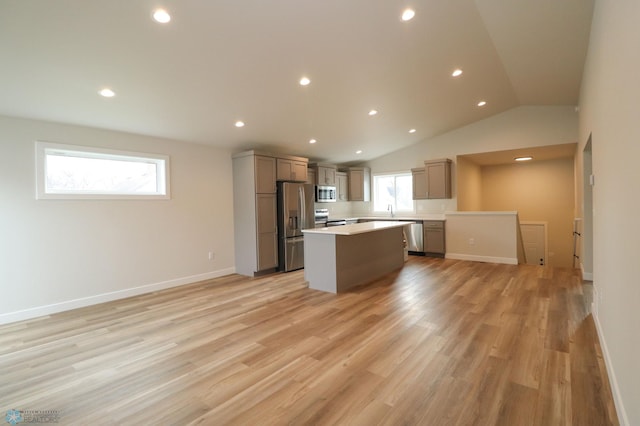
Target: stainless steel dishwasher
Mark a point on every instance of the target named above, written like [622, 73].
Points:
[415, 238]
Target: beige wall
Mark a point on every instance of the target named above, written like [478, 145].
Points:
[538, 191]
[469, 185]
[609, 112]
[60, 254]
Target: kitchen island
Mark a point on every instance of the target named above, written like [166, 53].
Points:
[340, 257]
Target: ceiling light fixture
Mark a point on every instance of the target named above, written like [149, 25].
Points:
[359, 151]
[312, 141]
[523, 158]
[456, 73]
[373, 112]
[304, 81]
[161, 16]
[107, 93]
[239, 123]
[412, 131]
[482, 103]
[408, 14]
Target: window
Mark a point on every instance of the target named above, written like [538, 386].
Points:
[66, 171]
[394, 190]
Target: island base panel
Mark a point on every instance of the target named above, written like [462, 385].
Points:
[336, 263]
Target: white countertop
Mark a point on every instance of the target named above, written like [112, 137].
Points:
[433, 216]
[356, 228]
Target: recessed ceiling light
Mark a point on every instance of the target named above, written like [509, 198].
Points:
[412, 131]
[373, 112]
[456, 73]
[482, 103]
[312, 141]
[162, 16]
[408, 14]
[304, 81]
[359, 151]
[523, 158]
[239, 123]
[107, 93]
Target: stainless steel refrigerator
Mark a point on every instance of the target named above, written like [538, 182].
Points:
[295, 213]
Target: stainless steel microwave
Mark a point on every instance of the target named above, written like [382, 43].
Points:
[326, 194]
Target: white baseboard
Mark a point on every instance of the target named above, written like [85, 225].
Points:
[613, 382]
[67, 305]
[587, 276]
[488, 259]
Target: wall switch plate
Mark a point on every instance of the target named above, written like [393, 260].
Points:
[211, 255]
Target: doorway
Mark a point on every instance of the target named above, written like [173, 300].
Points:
[534, 239]
[586, 255]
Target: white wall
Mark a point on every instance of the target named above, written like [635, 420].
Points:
[521, 127]
[609, 111]
[60, 254]
[482, 236]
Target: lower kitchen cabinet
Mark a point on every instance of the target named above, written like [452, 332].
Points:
[267, 231]
[434, 240]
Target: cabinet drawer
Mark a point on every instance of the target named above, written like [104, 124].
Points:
[433, 224]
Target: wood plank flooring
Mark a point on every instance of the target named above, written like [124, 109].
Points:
[440, 342]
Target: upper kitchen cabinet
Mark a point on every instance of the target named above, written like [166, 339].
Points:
[325, 174]
[359, 183]
[438, 178]
[311, 176]
[419, 184]
[342, 186]
[292, 169]
[265, 174]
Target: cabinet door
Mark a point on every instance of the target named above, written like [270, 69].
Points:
[419, 184]
[265, 175]
[356, 185]
[311, 176]
[267, 231]
[285, 169]
[299, 171]
[438, 179]
[326, 176]
[434, 237]
[342, 186]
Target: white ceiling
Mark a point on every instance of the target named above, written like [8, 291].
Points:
[220, 61]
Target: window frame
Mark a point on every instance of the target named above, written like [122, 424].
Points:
[402, 173]
[43, 149]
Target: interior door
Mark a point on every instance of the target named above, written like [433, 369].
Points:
[533, 238]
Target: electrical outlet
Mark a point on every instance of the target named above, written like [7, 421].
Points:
[472, 241]
[212, 255]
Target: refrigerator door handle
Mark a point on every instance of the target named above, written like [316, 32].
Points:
[302, 205]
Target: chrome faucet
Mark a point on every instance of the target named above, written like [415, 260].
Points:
[390, 209]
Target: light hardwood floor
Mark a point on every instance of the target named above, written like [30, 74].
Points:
[438, 342]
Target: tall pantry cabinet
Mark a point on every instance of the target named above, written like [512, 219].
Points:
[255, 217]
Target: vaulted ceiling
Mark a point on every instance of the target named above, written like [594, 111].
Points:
[217, 62]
